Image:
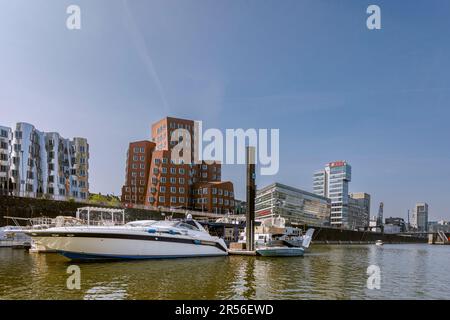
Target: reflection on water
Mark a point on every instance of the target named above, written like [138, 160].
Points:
[328, 272]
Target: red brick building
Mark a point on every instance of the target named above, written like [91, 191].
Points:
[137, 172]
[216, 197]
[172, 184]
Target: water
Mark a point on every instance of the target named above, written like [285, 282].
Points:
[408, 271]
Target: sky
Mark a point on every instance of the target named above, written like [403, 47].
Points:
[310, 68]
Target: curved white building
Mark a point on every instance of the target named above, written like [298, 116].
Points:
[44, 164]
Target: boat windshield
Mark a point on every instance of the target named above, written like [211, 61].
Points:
[188, 226]
[144, 223]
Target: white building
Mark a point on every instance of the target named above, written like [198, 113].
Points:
[295, 205]
[5, 154]
[420, 217]
[46, 165]
[332, 182]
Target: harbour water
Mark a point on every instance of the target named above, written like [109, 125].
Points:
[408, 271]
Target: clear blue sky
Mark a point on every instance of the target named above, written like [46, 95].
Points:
[378, 99]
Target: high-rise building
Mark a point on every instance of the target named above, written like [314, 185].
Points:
[43, 164]
[420, 217]
[172, 182]
[332, 182]
[358, 210]
[295, 205]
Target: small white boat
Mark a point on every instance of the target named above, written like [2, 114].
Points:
[274, 239]
[273, 248]
[378, 243]
[147, 239]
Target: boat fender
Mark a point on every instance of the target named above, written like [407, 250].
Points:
[151, 230]
[173, 232]
[196, 241]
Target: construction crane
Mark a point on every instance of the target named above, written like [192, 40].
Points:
[380, 216]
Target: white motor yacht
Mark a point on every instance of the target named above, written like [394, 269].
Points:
[147, 239]
[274, 238]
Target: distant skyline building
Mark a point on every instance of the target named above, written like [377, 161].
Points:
[332, 182]
[43, 164]
[153, 178]
[295, 205]
[359, 210]
[420, 217]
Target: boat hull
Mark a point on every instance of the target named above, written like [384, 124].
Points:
[280, 252]
[104, 248]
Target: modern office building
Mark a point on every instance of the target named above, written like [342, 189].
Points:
[420, 217]
[295, 205]
[394, 225]
[43, 164]
[172, 182]
[332, 182]
[358, 210]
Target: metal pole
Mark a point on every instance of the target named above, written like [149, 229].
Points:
[251, 195]
[9, 167]
[21, 176]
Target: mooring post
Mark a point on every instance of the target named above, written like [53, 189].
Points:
[251, 195]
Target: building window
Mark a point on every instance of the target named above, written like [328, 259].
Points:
[173, 170]
[162, 199]
[173, 189]
[181, 171]
[181, 180]
[181, 190]
[181, 199]
[173, 199]
[163, 179]
[162, 189]
[164, 170]
[173, 180]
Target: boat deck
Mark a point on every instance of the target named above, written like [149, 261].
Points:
[241, 252]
